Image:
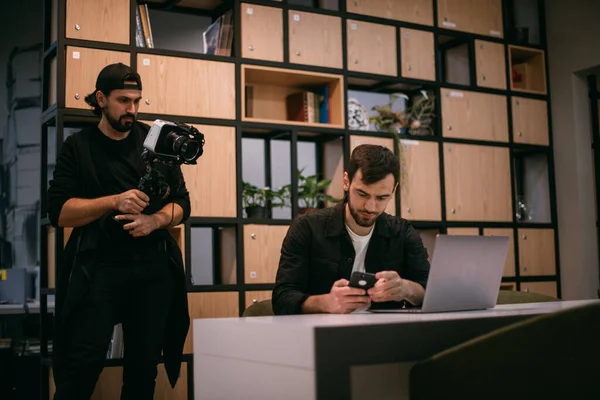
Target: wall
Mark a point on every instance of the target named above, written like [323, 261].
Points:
[20, 131]
[573, 29]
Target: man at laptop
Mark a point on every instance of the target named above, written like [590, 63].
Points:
[323, 248]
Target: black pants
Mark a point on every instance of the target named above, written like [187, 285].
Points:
[134, 291]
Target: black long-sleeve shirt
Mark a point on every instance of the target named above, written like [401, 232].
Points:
[317, 251]
[91, 165]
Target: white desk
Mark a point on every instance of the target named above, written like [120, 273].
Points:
[312, 356]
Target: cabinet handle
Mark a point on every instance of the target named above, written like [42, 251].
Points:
[453, 211]
[147, 101]
[526, 290]
[77, 97]
[481, 46]
[409, 210]
[449, 127]
[524, 237]
[483, 77]
[254, 301]
[298, 53]
[518, 102]
[253, 236]
[77, 27]
[251, 48]
[356, 3]
[520, 133]
[356, 61]
[409, 67]
[524, 268]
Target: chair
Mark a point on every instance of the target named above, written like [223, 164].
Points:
[259, 309]
[547, 356]
[514, 297]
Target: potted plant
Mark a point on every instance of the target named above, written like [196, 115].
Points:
[311, 192]
[416, 119]
[258, 201]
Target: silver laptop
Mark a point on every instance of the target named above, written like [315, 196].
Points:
[465, 274]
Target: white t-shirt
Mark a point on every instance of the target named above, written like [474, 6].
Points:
[360, 247]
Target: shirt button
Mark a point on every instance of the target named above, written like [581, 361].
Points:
[349, 260]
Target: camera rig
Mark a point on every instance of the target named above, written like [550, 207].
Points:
[167, 146]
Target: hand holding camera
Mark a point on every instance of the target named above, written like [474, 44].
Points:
[132, 202]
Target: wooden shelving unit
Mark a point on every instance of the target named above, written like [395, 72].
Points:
[491, 110]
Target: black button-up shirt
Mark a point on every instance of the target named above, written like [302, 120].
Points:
[317, 251]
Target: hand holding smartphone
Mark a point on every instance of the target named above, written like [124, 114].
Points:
[362, 280]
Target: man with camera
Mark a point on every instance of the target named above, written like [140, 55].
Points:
[325, 250]
[120, 264]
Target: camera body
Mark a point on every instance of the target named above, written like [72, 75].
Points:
[173, 141]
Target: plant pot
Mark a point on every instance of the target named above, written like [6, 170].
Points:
[257, 212]
[306, 210]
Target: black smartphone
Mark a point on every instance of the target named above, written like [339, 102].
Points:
[362, 280]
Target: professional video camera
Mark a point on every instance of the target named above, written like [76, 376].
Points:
[167, 145]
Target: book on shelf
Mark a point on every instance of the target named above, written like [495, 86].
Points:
[309, 106]
[218, 37]
[143, 33]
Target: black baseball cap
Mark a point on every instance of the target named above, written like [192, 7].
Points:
[114, 76]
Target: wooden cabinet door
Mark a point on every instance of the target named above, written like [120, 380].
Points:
[82, 68]
[209, 305]
[212, 181]
[262, 32]
[315, 39]
[472, 115]
[477, 182]
[546, 288]
[98, 20]
[418, 55]
[483, 17]
[415, 11]
[200, 88]
[371, 48]
[332, 154]
[262, 248]
[357, 140]
[420, 193]
[490, 61]
[509, 265]
[530, 121]
[536, 252]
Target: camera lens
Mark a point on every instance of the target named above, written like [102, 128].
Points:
[186, 148]
[189, 150]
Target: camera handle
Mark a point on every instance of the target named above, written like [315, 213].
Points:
[153, 184]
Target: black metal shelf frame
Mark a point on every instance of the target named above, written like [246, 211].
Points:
[58, 116]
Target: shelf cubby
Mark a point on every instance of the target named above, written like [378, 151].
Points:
[528, 69]
[267, 89]
[212, 255]
[523, 22]
[205, 5]
[333, 5]
[532, 186]
[456, 60]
